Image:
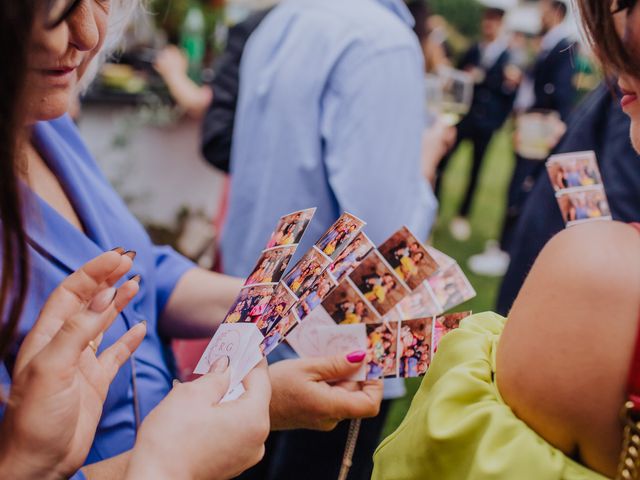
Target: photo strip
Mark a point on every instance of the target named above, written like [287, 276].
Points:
[444, 324]
[346, 305]
[351, 257]
[306, 271]
[450, 287]
[340, 235]
[382, 344]
[271, 265]
[378, 283]
[291, 228]
[409, 259]
[414, 347]
[583, 204]
[576, 179]
[313, 297]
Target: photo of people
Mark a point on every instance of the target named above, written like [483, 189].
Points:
[585, 204]
[571, 170]
[341, 233]
[351, 257]
[444, 324]
[278, 306]
[451, 287]
[408, 258]
[378, 283]
[277, 334]
[316, 294]
[291, 228]
[414, 347]
[421, 303]
[442, 259]
[346, 305]
[250, 304]
[271, 265]
[306, 271]
[381, 358]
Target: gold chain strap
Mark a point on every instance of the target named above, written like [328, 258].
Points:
[352, 439]
[629, 466]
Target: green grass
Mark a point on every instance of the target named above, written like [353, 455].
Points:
[486, 222]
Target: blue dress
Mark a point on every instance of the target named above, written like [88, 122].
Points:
[57, 248]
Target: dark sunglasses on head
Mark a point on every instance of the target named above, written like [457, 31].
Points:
[58, 11]
[618, 6]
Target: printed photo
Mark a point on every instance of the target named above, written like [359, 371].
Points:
[444, 324]
[442, 259]
[421, 303]
[278, 333]
[414, 347]
[585, 204]
[250, 304]
[451, 287]
[346, 305]
[278, 306]
[316, 294]
[379, 283]
[306, 271]
[291, 228]
[341, 233]
[408, 258]
[571, 170]
[351, 257]
[271, 265]
[381, 357]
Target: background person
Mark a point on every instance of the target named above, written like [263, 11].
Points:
[493, 96]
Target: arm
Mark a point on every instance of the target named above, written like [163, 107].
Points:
[580, 307]
[389, 83]
[114, 467]
[198, 304]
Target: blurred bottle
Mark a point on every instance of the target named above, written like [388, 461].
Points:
[193, 41]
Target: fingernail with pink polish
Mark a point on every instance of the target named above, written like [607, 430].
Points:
[357, 356]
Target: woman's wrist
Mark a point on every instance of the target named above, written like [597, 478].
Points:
[17, 464]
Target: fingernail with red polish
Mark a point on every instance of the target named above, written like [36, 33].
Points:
[135, 278]
[131, 254]
[119, 250]
[357, 356]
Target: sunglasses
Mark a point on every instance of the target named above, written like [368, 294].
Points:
[622, 5]
[58, 11]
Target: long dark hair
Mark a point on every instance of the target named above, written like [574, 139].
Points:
[16, 19]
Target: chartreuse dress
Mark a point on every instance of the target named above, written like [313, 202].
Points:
[458, 426]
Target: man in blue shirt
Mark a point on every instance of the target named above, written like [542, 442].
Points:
[330, 115]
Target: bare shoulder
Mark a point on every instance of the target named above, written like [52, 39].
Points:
[564, 355]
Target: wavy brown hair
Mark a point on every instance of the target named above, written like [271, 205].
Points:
[16, 18]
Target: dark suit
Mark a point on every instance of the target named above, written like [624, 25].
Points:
[491, 105]
[217, 126]
[552, 74]
[598, 124]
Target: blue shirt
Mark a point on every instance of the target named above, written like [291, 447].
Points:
[330, 115]
[57, 249]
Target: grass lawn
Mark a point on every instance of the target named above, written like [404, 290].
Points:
[486, 222]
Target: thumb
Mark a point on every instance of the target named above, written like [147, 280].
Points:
[336, 367]
[214, 385]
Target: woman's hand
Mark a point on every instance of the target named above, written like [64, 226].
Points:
[59, 384]
[309, 393]
[191, 435]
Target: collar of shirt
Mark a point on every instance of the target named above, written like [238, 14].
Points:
[490, 52]
[553, 37]
[400, 9]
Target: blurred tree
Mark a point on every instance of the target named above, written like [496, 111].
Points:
[169, 15]
[463, 15]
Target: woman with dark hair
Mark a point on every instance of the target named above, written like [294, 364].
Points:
[539, 396]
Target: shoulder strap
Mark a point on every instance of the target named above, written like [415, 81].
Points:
[633, 386]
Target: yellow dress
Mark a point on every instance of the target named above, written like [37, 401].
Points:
[458, 426]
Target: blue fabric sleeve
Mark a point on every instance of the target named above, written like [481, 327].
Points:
[78, 476]
[170, 267]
